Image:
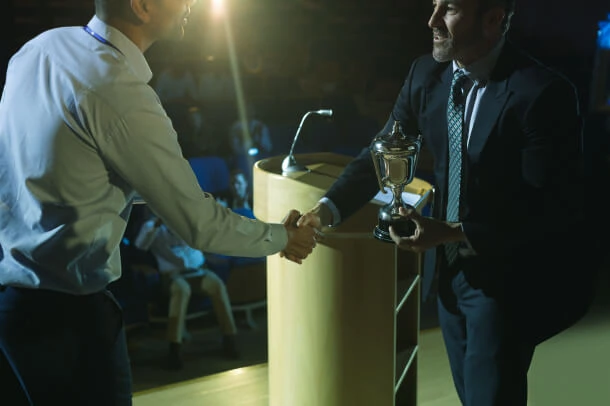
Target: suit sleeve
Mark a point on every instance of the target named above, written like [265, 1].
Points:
[358, 183]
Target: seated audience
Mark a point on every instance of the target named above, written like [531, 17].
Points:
[182, 270]
[176, 84]
[253, 138]
[215, 82]
[249, 142]
[240, 201]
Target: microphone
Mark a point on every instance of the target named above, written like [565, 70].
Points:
[289, 164]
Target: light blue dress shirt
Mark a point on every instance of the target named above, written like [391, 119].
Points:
[80, 131]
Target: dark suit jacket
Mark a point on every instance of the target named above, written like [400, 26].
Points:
[523, 200]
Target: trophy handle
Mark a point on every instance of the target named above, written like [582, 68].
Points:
[378, 172]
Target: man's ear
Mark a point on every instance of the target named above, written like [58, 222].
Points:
[141, 9]
[493, 19]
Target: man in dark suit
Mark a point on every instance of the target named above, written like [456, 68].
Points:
[509, 231]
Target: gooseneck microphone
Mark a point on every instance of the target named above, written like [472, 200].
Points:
[289, 164]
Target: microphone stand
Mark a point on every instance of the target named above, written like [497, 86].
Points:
[289, 164]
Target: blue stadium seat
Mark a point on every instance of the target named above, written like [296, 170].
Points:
[212, 173]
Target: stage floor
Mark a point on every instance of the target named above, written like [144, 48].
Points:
[570, 369]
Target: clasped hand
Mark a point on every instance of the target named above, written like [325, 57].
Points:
[304, 232]
[301, 238]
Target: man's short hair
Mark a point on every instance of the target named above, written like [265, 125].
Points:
[110, 8]
[508, 5]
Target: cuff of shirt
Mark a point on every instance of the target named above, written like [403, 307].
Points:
[333, 209]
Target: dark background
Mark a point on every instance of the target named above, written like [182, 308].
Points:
[288, 50]
[562, 33]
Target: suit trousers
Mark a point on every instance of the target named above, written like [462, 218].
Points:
[488, 354]
[61, 349]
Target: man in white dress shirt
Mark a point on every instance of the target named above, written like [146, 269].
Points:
[80, 132]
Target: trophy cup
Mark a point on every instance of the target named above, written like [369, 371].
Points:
[395, 157]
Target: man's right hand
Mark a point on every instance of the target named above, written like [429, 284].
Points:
[301, 239]
[318, 216]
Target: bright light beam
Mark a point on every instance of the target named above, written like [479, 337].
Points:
[239, 92]
[218, 8]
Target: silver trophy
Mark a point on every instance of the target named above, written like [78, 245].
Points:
[395, 157]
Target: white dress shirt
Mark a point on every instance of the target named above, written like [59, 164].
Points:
[170, 251]
[80, 131]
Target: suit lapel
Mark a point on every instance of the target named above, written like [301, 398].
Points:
[494, 99]
[490, 107]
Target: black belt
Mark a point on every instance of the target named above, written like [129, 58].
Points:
[2, 288]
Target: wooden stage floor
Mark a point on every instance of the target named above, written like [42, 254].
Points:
[572, 369]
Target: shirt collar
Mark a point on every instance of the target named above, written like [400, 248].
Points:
[135, 57]
[480, 70]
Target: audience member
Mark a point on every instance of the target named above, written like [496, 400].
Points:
[182, 270]
[249, 142]
[239, 198]
[215, 82]
[251, 137]
[176, 85]
[240, 201]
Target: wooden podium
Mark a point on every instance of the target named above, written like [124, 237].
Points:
[344, 325]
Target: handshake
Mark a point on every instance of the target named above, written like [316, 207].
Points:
[304, 231]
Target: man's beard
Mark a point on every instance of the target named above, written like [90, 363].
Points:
[465, 46]
[443, 52]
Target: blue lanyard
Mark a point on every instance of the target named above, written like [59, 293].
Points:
[100, 38]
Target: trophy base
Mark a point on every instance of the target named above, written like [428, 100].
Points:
[382, 235]
[403, 227]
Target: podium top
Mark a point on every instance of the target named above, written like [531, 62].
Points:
[324, 168]
[274, 192]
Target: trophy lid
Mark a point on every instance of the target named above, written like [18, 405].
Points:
[395, 141]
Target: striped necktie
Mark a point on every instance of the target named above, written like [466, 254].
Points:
[455, 121]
